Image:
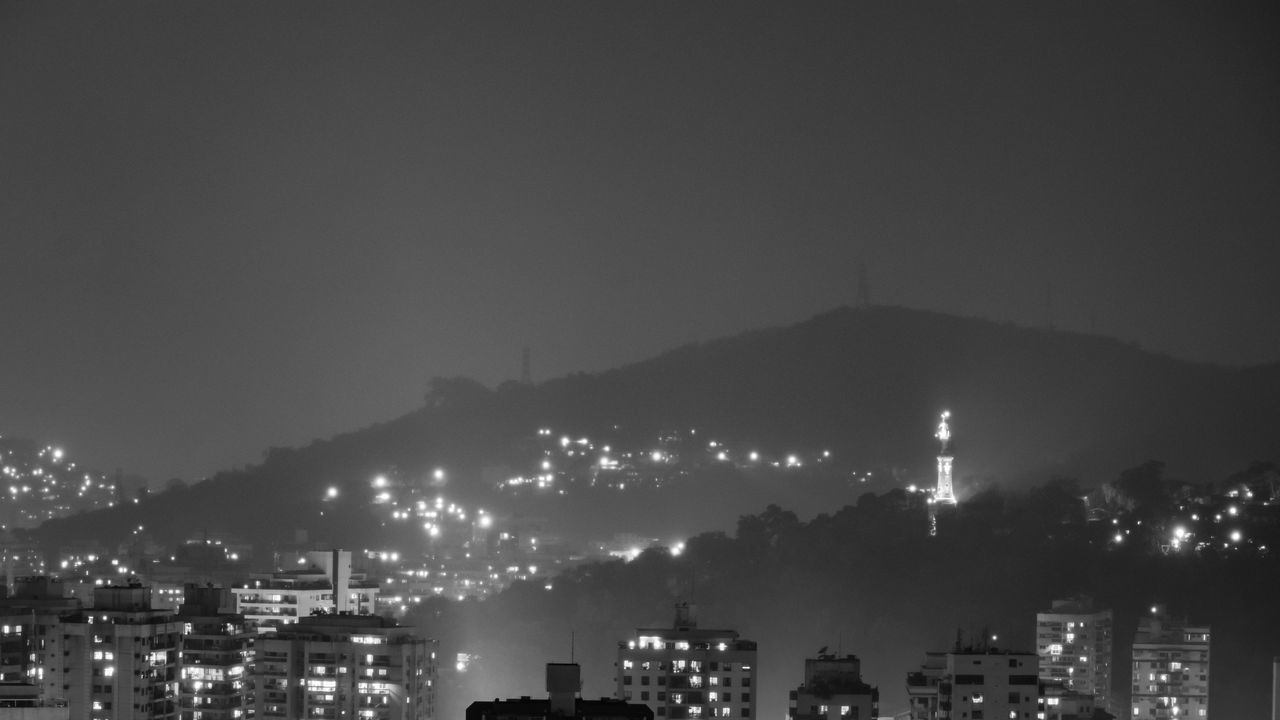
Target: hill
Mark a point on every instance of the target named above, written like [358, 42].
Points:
[863, 384]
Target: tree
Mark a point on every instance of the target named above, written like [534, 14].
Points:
[455, 392]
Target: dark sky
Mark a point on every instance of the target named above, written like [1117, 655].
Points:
[234, 225]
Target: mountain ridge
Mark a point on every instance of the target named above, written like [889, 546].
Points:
[866, 383]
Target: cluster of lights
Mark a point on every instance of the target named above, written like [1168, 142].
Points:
[45, 484]
[589, 464]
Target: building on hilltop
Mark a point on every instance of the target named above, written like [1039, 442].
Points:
[215, 657]
[117, 660]
[563, 685]
[361, 667]
[1073, 640]
[325, 583]
[975, 682]
[688, 672]
[1170, 668]
[833, 690]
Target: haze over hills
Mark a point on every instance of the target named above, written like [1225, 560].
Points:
[863, 384]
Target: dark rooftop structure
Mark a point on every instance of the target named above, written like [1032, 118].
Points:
[563, 685]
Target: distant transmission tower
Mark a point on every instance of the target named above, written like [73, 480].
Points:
[1048, 305]
[864, 288]
[526, 368]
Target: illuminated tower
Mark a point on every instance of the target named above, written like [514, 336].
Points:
[944, 493]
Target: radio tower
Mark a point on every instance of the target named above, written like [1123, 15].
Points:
[944, 493]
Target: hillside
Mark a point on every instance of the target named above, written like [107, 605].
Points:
[864, 384]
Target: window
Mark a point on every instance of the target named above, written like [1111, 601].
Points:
[644, 694]
[644, 679]
[626, 679]
[746, 682]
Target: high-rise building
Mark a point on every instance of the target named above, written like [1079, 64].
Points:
[117, 660]
[689, 672]
[215, 658]
[359, 667]
[27, 615]
[1170, 668]
[1073, 640]
[323, 584]
[563, 685]
[975, 683]
[833, 690]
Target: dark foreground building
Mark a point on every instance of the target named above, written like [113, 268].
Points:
[563, 684]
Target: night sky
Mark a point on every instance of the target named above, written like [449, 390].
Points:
[230, 225]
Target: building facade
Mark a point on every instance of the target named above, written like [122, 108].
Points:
[1058, 702]
[117, 660]
[833, 690]
[975, 684]
[359, 667]
[29, 613]
[1074, 642]
[324, 583]
[215, 657]
[688, 672]
[1170, 668]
